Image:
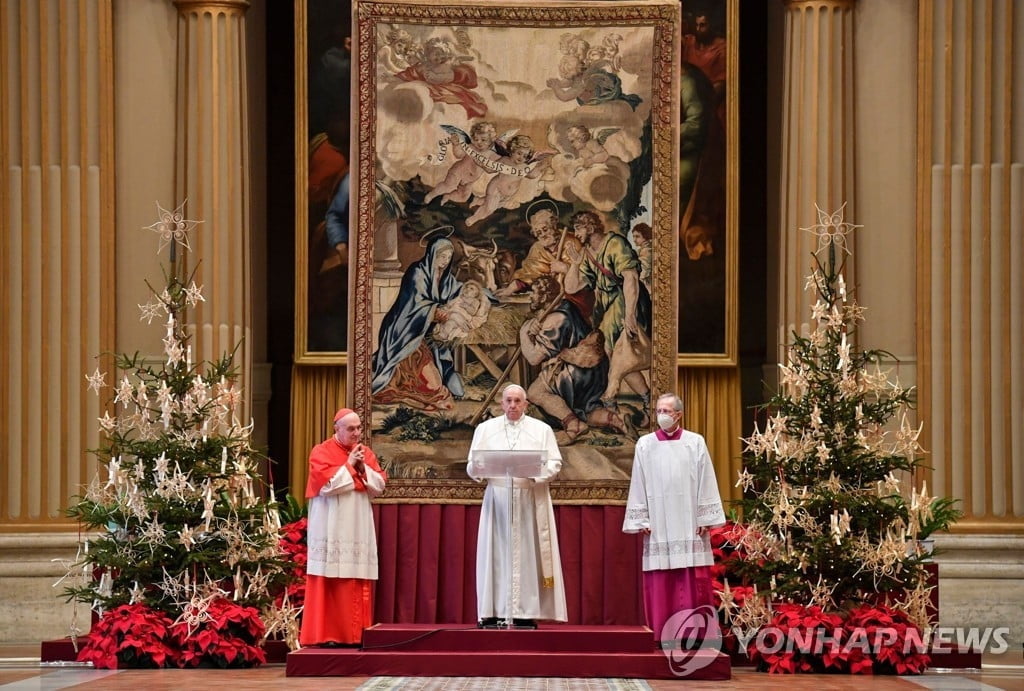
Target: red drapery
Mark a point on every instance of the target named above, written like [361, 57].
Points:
[428, 564]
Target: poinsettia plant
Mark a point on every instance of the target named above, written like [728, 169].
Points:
[798, 638]
[726, 547]
[727, 586]
[224, 634]
[869, 638]
[132, 635]
[293, 545]
[894, 641]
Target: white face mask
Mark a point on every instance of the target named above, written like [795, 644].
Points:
[666, 421]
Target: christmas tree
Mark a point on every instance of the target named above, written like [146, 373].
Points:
[181, 557]
[830, 508]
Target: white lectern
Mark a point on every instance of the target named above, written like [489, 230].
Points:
[520, 463]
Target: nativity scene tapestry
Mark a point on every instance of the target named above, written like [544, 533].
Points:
[515, 201]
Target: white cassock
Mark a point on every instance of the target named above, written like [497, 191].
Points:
[341, 539]
[672, 492]
[538, 589]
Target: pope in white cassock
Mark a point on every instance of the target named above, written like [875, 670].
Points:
[537, 586]
[673, 500]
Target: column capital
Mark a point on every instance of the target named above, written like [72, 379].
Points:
[199, 6]
[820, 4]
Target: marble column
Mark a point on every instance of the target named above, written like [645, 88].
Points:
[817, 148]
[212, 173]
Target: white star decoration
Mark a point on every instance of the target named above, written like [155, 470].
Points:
[173, 226]
[150, 311]
[194, 295]
[831, 228]
[125, 391]
[97, 380]
[746, 480]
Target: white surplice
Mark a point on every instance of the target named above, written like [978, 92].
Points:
[672, 492]
[538, 589]
[340, 536]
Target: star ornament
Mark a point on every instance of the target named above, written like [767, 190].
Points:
[172, 226]
[746, 480]
[97, 380]
[194, 295]
[150, 311]
[831, 229]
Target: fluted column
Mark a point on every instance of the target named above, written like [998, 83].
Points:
[970, 289]
[817, 142]
[212, 173]
[57, 282]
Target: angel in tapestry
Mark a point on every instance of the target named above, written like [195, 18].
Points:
[514, 168]
[457, 185]
[447, 79]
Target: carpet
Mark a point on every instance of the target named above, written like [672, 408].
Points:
[503, 684]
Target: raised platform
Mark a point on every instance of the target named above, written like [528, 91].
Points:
[63, 650]
[453, 650]
[553, 650]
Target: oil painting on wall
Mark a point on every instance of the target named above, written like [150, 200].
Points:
[515, 220]
[708, 183]
[323, 81]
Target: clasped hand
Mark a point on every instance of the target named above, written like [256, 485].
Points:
[356, 459]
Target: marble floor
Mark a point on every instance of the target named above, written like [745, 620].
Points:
[20, 670]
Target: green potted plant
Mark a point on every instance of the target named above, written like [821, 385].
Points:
[941, 514]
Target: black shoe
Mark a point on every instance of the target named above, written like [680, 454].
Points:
[487, 623]
[524, 624]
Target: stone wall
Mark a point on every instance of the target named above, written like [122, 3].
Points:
[31, 564]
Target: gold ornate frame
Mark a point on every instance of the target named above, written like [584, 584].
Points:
[516, 24]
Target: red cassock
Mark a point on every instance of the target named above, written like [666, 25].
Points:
[342, 559]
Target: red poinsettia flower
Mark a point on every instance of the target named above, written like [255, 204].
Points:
[129, 636]
[798, 638]
[293, 544]
[295, 532]
[893, 644]
[226, 634]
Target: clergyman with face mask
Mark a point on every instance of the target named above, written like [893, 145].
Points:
[673, 501]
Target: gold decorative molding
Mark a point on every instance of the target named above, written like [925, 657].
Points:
[820, 4]
[210, 6]
[414, 491]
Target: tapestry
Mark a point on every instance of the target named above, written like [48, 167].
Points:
[516, 220]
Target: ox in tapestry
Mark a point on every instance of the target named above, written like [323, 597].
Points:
[512, 226]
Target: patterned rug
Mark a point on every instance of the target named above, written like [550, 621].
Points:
[503, 684]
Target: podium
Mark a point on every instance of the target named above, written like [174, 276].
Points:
[509, 465]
